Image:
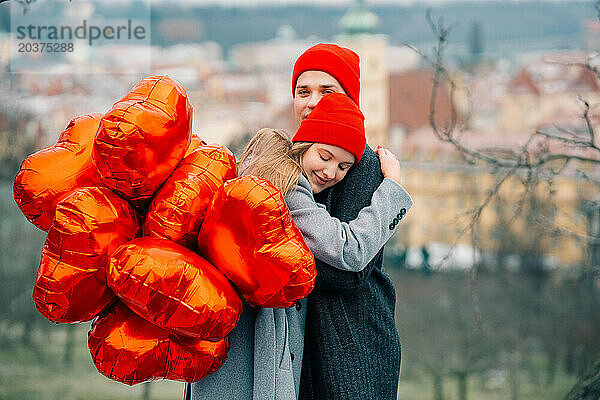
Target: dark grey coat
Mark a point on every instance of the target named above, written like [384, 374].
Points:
[352, 349]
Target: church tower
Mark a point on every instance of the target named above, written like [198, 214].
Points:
[360, 29]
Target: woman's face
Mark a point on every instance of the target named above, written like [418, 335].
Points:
[310, 87]
[325, 165]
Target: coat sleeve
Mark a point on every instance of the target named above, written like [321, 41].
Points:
[348, 246]
[344, 201]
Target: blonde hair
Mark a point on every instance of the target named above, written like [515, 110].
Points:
[272, 155]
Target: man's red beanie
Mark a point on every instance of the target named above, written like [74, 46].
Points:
[341, 63]
[336, 120]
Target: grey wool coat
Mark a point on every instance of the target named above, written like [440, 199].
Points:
[266, 352]
[352, 348]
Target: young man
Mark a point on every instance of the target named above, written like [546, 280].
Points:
[351, 346]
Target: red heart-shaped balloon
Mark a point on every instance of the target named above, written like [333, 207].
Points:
[50, 174]
[177, 210]
[143, 137]
[174, 288]
[129, 349]
[90, 224]
[249, 235]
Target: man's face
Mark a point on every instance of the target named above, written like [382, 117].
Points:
[310, 87]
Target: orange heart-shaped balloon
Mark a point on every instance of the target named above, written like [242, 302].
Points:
[143, 137]
[177, 210]
[249, 235]
[50, 174]
[129, 349]
[90, 224]
[174, 288]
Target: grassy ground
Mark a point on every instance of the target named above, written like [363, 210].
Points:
[418, 388]
[37, 372]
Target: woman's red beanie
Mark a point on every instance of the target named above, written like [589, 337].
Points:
[341, 63]
[336, 120]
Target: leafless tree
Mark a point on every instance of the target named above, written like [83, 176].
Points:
[546, 154]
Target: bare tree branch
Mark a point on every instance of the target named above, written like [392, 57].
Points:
[476, 213]
[546, 154]
[566, 136]
[588, 123]
[515, 161]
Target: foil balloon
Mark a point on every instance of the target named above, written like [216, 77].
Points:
[174, 288]
[126, 348]
[249, 235]
[177, 210]
[90, 224]
[143, 137]
[50, 174]
[195, 142]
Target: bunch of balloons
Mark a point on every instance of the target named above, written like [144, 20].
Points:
[152, 234]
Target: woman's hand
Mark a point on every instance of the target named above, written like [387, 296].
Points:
[390, 166]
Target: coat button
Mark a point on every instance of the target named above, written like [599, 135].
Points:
[292, 356]
[392, 226]
[396, 220]
[298, 306]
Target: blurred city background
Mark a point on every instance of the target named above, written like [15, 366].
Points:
[495, 268]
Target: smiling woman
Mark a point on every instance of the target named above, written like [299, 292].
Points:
[329, 141]
[325, 165]
[337, 129]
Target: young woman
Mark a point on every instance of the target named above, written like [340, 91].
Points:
[329, 141]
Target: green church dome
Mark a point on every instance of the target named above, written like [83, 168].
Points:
[359, 20]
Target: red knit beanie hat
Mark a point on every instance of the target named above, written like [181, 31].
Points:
[341, 63]
[336, 120]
